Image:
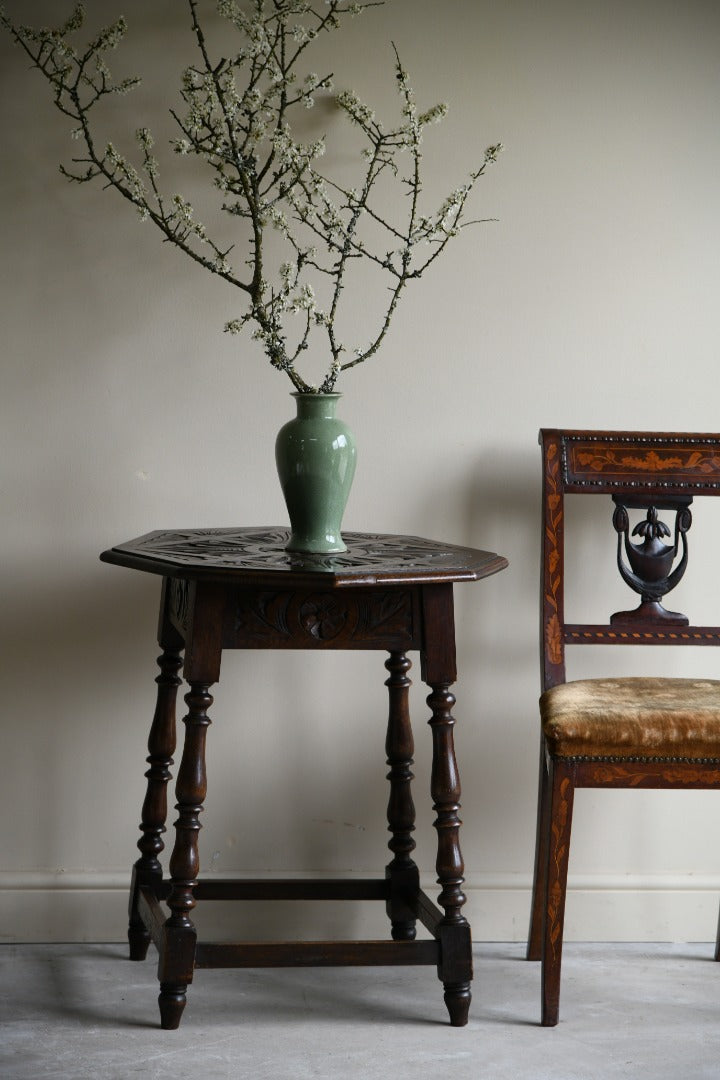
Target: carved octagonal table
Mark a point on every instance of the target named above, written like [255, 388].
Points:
[239, 589]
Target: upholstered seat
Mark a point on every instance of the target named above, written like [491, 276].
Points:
[618, 732]
[659, 718]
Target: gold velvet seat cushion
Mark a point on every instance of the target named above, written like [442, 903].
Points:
[629, 717]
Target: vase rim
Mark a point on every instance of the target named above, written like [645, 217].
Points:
[315, 394]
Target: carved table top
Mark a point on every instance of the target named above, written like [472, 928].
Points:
[257, 556]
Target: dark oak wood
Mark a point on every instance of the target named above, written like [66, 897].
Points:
[257, 557]
[402, 873]
[153, 915]
[651, 567]
[289, 889]
[254, 954]
[147, 871]
[657, 473]
[239, 589]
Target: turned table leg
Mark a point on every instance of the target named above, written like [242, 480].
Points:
[147, 871]
[177, 963]
[454, 931]
[439, 672]
[401, 872]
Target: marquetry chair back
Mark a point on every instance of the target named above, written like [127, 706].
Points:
[626, 732]
[638, 470]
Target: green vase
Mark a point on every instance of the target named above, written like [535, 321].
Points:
[315, 456]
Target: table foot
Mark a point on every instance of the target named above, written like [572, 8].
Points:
[172, 1001]
[457, 999]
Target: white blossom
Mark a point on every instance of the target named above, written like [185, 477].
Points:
[434, 115]
[237, 112]
[145, 138]
[278, 220]
[287, 276]
[354, 107]
[304, 298]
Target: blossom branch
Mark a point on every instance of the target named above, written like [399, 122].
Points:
[237, 120]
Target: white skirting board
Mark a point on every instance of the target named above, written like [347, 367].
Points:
[84, 906]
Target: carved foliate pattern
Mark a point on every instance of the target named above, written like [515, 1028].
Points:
[263, 615]
[179, 603]
[313, 617]
[323, 617]
[683, 462]
[260, 548]
[263, 549]
[389, 609]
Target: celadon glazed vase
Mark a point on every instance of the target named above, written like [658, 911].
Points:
[315, 456]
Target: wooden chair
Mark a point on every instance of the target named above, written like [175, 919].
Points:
[622, 732]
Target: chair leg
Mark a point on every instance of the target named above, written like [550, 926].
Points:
[562, 792]
[717, 941]
[534, 945]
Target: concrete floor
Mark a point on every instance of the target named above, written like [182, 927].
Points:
[77, 1011]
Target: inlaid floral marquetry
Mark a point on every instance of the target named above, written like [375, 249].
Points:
[586, 634]
[653, 774]
[559, 853]
[673, 462]
[552, 562]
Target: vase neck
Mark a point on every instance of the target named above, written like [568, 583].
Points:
[316, 406]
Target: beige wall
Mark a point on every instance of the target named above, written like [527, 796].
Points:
[593, 301]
